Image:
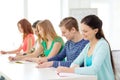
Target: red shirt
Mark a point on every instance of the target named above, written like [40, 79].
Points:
[25, 41]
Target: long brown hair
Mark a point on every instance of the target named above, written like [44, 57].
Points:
[26, 26]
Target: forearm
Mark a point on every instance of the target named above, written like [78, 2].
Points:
[65, 70]
[70, 70]
[36, 53]
[16, 51]
[22, 57]
[13, 51]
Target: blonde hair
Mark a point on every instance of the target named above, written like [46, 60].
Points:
[48, 29]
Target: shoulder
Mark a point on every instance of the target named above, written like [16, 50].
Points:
[58, 39]
[102, 46]
[102, 42]
[83, 41]
[30, 35]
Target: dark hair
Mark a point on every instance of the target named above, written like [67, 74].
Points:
[69, 22]
[95, 23]
[35, 23]
[26, 26]
[35, 27]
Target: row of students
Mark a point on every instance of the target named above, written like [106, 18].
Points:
[50, 44]
[96, 55]
[71, 50]
[73, 47]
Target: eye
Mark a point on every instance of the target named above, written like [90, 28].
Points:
[84, 31]
[63, 32]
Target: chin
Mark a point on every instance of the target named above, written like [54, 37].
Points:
[85, 38]
[68, 39]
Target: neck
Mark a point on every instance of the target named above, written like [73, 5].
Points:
[77, 37]
[49, 38]
[93, 42]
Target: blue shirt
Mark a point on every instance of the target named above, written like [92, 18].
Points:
[71, 50]
[101, 61]
[89, 60]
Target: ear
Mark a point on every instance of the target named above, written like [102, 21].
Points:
[96, 30]
[73, 29]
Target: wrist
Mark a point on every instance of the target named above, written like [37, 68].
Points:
[51, 63]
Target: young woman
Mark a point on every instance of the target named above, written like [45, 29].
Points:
[97, 56]
[50, 45]
[24, 27]
[38, 39]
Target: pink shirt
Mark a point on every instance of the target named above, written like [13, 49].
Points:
[25, 41]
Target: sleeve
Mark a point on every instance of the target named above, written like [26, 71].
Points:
[80, 59]
[99, 57]
[61, 63]
[58, 39]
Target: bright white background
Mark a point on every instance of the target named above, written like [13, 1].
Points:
[54, 10]
[10, 12]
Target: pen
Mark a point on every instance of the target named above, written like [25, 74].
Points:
[58, 73]
[18, 62]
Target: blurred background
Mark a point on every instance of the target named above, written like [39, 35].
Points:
[11, 11]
